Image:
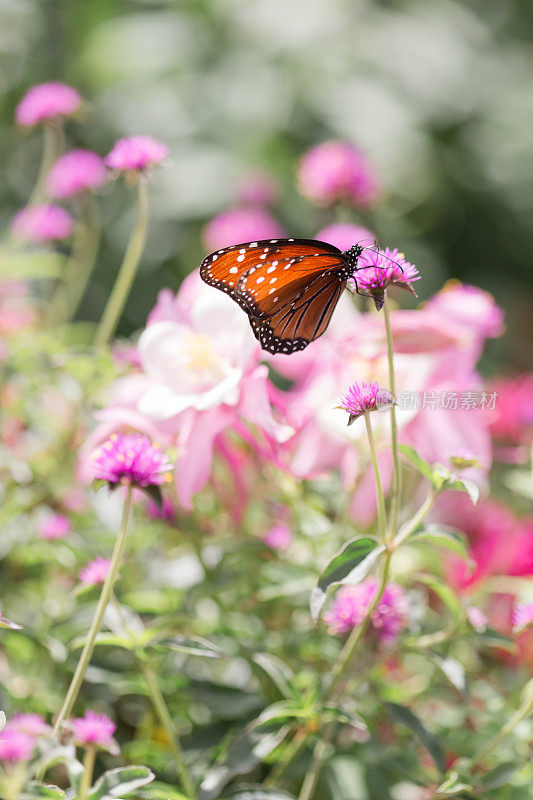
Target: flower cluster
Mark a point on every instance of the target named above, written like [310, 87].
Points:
[130, 458]
[361, 398]
[19, 737]
[352, 603]
[337, 172]
[93, 730]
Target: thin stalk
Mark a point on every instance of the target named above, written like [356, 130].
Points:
[79, 267]
[382, 514]
[52, 147]
[521, 713]
[292, 751]
[103, 600]
[128, 269]
[337, 676]
[411, 526]
[165, 719]
[87, 774]
[396, 474]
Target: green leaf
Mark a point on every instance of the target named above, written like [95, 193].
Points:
[454, 785]
[155, 494]
[98, 483]
[259, 793]
[189, 645]
[160, 791]
[38, 791]
[406, 717]
[453, 670]
[30, 264]
[444, 592]
[418, 463]
[462, 485]
[349, 566]
[499, 776]
[279, 673]
[446, 537]
[278, 714]
[120, 782]
[243, 755]
[493, 638]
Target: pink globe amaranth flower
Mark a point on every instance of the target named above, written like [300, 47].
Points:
[131, 458]
[364, 397]
[279, 537]
[15, 745]
[47, 101]
[337, 172]
[257, 189]
[511, 420]
[54, 526]
[379, 270]
[45, 223]
[522, 617]
[343, 235]
[75, 172]
[93, 729]
[30, 724]
[351, 603]
[95, 571]
[241, 225]
[136, 153]
[477, 618]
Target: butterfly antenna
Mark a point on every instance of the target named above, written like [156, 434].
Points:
[382, 254]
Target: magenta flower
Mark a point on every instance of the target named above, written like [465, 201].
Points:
[47, 101]
[364, 397]
[93, 729]
[511, 420]
[75, 172]
[54, 526]
[337, 172]
[136, 153]
[351, 604]
[95, 571]
[44, 223]
[343, 235]
[15, 745]
[477, 619]
[522, 617]
[257, 189]
[241, 225]
[278, 537]
[131, 458]
[376, 273]
[30, 724]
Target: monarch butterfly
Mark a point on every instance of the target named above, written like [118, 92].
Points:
[288, 287]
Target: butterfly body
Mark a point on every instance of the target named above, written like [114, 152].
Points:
[288, 287]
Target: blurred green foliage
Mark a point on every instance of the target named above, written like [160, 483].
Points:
[437, 92]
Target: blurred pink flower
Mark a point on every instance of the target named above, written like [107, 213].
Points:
[343, 235]
[30, 724]
[130, 458]
[377, 270]
[75, 172]
[477, 618]
[93, 729]
[47, 101]
[43, 223]
[241, 225]
[278, 537]
[337, 171]
[136, 153]
[472, 309]
[95, 571]
[351, 603]
[361, 398]
[167, 511]
[522, 617]
[512, 418]
[54, 526]
[15, 745]
[257, 189]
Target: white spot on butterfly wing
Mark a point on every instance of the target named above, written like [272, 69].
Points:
[233, 269]
[240, 258]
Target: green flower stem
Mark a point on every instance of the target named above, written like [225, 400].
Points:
[88, 770]
[296, 746]
[521, 713]
[337, 677]
[128, 269]
[166, 721]
[396, 474]
[79, 267]
[83, 663]
[411, 526]
[52, 147]
[382, 514]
